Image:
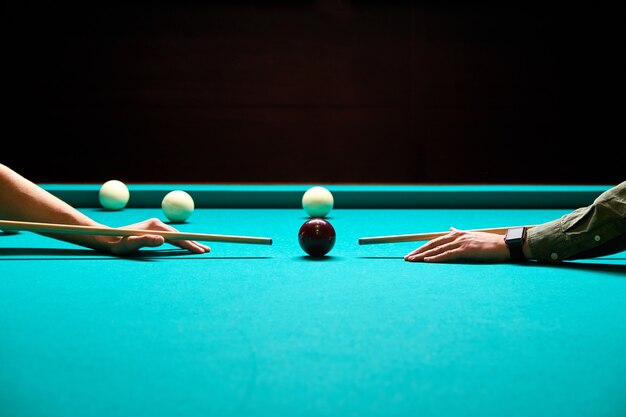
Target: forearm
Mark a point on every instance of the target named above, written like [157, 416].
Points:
[587, 232]
[21, 199]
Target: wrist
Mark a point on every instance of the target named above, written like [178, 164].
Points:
[515, 239]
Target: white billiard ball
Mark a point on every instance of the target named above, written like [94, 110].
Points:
[113, 195]
[177, 206]
[317, 201]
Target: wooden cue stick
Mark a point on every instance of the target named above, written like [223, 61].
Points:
[14, 226]
[425, 236]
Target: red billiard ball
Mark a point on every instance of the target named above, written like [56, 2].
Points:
[316, 237]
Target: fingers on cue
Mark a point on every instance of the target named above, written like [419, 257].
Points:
[445, 249]
[191, 246]
[427, 249]
[445, 256]
[146, 241]
[437, 242]
[441, 249]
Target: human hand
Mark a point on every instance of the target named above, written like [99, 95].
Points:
[127, 245]
[460, 245]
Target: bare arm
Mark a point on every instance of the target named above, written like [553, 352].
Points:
[21, 199]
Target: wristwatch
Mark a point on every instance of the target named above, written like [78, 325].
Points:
[514, 240]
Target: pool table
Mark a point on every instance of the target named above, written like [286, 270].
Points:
[257, 330]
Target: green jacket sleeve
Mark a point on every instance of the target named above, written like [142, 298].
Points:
[587, 232]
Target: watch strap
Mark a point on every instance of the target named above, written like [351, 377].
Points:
[516, 244]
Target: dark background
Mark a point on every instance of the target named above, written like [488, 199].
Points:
[313, 91]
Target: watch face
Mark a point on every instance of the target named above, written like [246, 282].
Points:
[515, 234]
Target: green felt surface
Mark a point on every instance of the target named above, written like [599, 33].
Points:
[253, 330]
